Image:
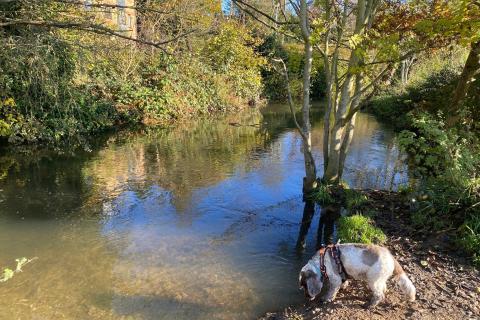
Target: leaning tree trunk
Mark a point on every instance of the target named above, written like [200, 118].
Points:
[471, 69]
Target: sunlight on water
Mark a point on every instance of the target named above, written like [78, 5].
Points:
[195, 222]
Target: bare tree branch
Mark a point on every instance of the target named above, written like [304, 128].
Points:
[275, 28]
[240, 3]
[290, 100]
[93, 28]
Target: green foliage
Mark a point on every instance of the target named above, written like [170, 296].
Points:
[431, 80]
[37, 77]
[359, 229]
[470, 237]
[9, 273]
[232, 53]
[433, 149]
[54, 92]
[445, 161]
[9, 116]
[354, 200]
[323, 195]
[292, 54]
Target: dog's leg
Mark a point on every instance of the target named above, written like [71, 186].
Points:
[378, 287]
[335, 282]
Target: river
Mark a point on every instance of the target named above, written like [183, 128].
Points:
[197, 221]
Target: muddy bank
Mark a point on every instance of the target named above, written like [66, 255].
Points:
[447, 286]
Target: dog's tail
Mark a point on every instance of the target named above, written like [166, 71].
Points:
[404, 282]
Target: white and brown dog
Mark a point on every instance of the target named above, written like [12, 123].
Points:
[371, 263]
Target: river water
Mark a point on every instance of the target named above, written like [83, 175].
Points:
[198, 221]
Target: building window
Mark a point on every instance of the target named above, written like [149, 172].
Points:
[122, 17]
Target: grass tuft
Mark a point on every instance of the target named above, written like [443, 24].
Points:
[323, 195]
[359, 229]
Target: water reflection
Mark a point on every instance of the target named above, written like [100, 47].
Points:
[326, 225]
[198, 221]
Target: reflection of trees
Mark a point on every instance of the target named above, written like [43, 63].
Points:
[41, 184]
[182, 159]
[326, 225]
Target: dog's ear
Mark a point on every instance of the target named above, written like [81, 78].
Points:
[311, 283]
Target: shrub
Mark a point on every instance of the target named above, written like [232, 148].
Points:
[232, 53]
[444, 161]
[447, 163]
[432, 79]
[54, 92]
[359, 229]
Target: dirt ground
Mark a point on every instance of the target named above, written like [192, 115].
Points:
[447, 286]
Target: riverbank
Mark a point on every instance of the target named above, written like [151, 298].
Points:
[447, 286]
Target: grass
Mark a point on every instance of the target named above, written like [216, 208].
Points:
[354, 200]
[470, 238]
[359, 229]
[323, 195]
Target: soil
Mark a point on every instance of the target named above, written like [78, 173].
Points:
[447, 286]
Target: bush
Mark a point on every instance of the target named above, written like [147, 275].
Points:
[292, 54]
[444, 161]
[359, 229]
[447, 163]
[232, 53]
[432, 79]
[54, 92]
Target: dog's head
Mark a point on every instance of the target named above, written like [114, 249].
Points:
[310, 280]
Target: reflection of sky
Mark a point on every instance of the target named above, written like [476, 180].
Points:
[251, 218]
[264, 179]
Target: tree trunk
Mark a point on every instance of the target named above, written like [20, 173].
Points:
[309, 182]
[347, 140]
[350, 126]
[471, 69]
[331, 175]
